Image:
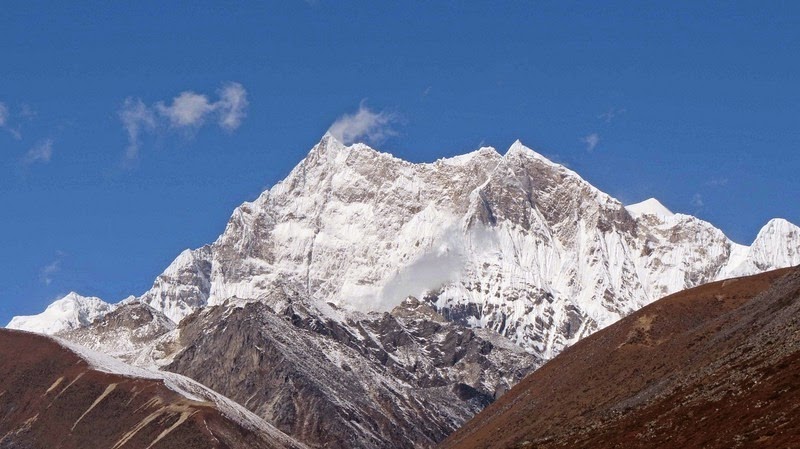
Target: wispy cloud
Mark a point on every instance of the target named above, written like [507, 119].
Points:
[717, 182]
[136, 118]
[5, 122]
[697, 200]
[611, 114]
[591, 141]
[48, 272]
[41, 152]
[232, 106]
[27, 112]
[189, 110]
[365, 124]
[3, 114]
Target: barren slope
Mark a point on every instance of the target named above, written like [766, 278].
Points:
[716, 366]
[52, 398]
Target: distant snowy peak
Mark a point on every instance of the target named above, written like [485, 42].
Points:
[776, 245]
[778, 230]
[649, 206]
[70, 312]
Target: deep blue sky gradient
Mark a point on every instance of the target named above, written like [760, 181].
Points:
[710, 94]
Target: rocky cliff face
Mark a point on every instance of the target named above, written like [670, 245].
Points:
[128, 332]
[405, 379]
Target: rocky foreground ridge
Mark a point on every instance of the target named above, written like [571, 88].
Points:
[54, 396]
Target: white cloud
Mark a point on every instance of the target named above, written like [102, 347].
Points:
[232, 105]
[41, 152]
[364, 124]
[136, 117]
[591, 141]
[187, 110]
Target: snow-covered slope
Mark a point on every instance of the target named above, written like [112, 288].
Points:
[70, 312]
[515, 243]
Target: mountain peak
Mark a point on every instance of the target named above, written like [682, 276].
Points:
[75, 297]
[650, 206]
[780, 226]
[518, 148]
[327, 144]
[778, 230]
[68, 312]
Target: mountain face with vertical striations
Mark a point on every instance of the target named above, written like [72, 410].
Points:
[514, 243]
[373, 302]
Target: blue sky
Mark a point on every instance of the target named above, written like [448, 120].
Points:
[695, 103]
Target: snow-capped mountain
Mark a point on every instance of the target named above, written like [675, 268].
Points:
[776, 245]
[69, 312]
[513, 242]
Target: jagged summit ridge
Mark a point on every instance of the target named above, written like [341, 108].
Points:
[515, 243]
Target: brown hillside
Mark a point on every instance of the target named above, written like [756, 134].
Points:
[51, 398]
[717, 366]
